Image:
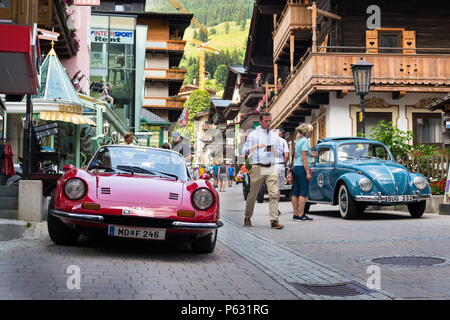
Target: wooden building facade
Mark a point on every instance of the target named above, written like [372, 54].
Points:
[306, 51]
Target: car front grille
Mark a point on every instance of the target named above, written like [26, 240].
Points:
[137, 221]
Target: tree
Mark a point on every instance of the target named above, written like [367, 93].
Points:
[227, 28]
[199, 101]
[221, 75]
[394, 138]
[213, 31]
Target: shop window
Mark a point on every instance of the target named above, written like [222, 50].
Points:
[372, 119]
[427, 128]
[5, 9]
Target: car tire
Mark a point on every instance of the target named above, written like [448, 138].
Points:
[417, 209]
[348, 207]
[205, 244]
[260, 198]
[57, 230]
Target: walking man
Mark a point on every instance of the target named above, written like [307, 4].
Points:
[262, 145]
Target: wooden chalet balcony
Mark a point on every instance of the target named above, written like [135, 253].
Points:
[397, 73]
[164, 102]
[295, 16]
[165, 74]
[165, 46]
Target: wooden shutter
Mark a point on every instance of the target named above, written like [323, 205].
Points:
[372, 41]
[409, 42]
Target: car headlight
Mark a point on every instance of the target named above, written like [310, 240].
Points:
[75, 189]
[203, 199]
[365, 184]
[420, 182]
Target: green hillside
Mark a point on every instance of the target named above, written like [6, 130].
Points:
[208, 12]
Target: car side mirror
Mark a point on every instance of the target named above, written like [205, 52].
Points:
[68, 167]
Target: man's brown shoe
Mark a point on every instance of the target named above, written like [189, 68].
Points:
[247, 222]
[276, 225]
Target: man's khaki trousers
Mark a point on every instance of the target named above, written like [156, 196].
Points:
[259, 175]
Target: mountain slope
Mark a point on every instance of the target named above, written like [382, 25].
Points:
[208, 12]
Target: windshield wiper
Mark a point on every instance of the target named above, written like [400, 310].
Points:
[134, 169]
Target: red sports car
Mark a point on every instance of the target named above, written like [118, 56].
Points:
[135, 192]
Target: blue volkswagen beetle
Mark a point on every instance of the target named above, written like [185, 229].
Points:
[356, 172]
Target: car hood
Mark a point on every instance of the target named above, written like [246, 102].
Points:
[389, 177]
[139, 190]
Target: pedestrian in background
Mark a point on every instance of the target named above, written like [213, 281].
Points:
[128, 138]
[302, 172]
[262, 145]
[231, 171]
[223, 176]
[216, 174]
[167, 146]
[282, 158]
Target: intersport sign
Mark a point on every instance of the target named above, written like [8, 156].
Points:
[115, 36]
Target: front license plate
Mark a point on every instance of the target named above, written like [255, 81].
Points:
[402, 198]
[137, 233]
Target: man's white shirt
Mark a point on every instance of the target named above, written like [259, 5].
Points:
[267, 138]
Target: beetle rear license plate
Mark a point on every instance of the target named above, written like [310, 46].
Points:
[137, 233]
[402, 198]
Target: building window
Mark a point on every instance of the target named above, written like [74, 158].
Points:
[372, 119]
[391, 38]
[427, 128]
[5, 10]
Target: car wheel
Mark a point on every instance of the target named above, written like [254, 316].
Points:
[57, 230]
[417, 209]
[260, 197]
[347, 205]
[205, 244]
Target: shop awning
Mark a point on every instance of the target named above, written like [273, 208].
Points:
[66, 117]
[17, 60]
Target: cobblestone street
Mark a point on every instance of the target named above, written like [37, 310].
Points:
[256, 263]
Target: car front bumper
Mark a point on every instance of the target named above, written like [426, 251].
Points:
[146, 222]
[385, 199]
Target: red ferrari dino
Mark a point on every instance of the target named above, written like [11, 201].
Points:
[135, 192]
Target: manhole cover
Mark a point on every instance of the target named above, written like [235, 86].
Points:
[335, 290]
[409, 261]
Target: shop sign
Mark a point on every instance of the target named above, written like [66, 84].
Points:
[86, 2]
[115, 36]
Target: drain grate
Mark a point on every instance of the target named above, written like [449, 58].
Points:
[409, 261]
[336, 290]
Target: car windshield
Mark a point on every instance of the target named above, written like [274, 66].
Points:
[352, 151]
[134, 160]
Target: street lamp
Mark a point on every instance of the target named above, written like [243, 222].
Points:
[361, 76]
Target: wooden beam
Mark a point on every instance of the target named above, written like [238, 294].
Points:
[396, 95]
[270, 9]
[340, 94]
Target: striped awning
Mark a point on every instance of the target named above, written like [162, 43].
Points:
[66, 117]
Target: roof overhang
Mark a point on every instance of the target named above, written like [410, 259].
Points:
[251, 100]
[17, 61]
[440, 103]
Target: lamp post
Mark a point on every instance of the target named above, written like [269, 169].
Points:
[361, 76]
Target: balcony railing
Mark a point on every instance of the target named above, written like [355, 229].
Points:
[165, 74]
[167, 45]
[332, 72]
[164, 102]
[295, 16]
